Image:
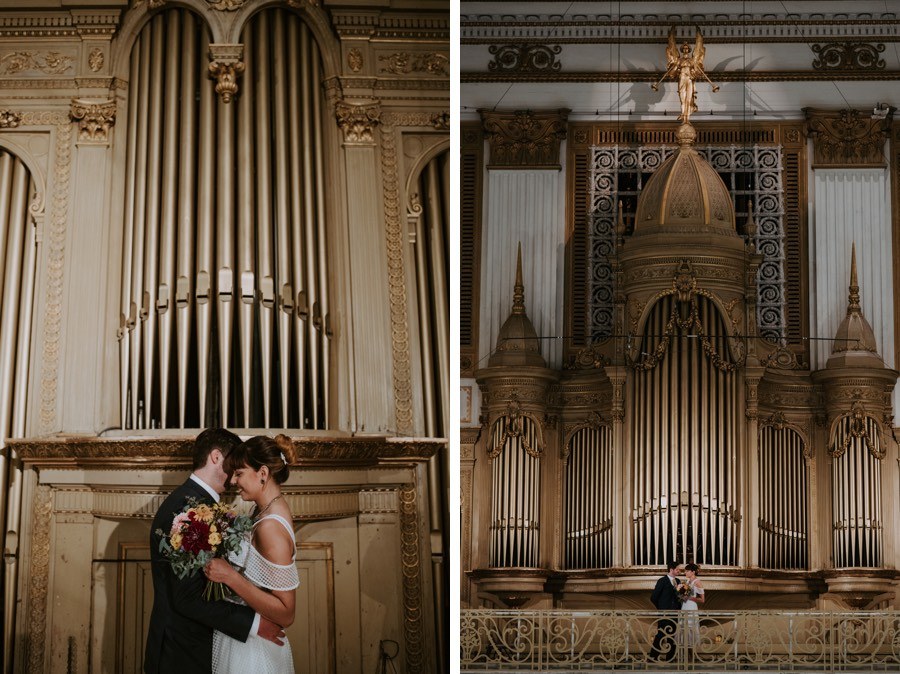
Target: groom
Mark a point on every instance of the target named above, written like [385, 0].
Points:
[182, 623]
[665, 598]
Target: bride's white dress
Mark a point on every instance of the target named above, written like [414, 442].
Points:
[257, 655]
[691, 634]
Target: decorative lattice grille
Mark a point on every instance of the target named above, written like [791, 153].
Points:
[751, 174]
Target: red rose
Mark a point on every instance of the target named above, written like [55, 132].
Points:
[196, 538]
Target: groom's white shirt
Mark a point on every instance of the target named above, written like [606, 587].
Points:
[254, 628]
[209, 490]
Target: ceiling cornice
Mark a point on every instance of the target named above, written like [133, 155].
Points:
[648, 76]
[603, 29]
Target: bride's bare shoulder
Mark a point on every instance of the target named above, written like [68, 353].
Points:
[273, 541]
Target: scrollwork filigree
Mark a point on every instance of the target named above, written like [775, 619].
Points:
[848, 56]
[526, 58]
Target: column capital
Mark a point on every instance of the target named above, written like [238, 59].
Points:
[358, 122]
[226, 63]
[94, 119]
[848, 138]
[525, 139]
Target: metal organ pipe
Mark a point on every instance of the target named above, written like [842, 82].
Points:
[197, 229]
[283, 288]
[515, 505]
[153, 206]
[248, 216]
[163, 297]
[685, 439]
[588, 508]
[18, 256]
[206, 214]
[184, 286]
[856, 478]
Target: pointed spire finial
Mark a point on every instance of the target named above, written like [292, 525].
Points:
[519, 287]
[853, 304]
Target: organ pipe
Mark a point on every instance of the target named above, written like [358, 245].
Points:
[856, 480]
[206, 214]
[225, 313]
[515, 507]
[18, 257]
[184, 286]
[783, 476]
[164, 299]
[248, 218]
[588, 504]
[685, 437]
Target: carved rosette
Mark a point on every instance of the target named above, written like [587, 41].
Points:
[10, 119]
[525, 139]
[848, 138]
[225, 66]
[358, 122]
[848, 56]
[526, 58]
[94, 119]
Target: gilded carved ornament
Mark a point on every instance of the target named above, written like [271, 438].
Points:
[355, 59]
[778, 421]
[858, 429]
[686, 290]
[848, 138]
[402, 63]
[848, 56]
[49, 63]
[10, 119]
[358, 122]
[594, 421]
[225, 5]
[524, 139]
[94, 119]
[588, 358]
[225, 66]
[524, 58]
[95, 59]
[514, 425]
[441, 120]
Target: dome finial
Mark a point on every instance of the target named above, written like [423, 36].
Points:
[853, 299]
[519, 287]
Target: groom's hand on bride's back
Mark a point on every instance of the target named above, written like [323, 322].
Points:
[270, 631]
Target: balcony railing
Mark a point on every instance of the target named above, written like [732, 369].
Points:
[714, 641]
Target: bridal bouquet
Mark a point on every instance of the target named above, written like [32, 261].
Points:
[200, 533]
[684, 590]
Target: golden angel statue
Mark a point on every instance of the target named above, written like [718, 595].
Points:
[690, 69]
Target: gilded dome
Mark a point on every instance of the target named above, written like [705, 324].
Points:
[685, 193]
[517, 343]
[854, 342]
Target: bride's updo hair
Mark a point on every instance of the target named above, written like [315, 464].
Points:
[277, 453]
[692, 567]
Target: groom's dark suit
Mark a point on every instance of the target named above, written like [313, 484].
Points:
[665, 598]
[182, 622]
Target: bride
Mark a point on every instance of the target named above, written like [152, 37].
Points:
[269, 578]
[692, 620]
